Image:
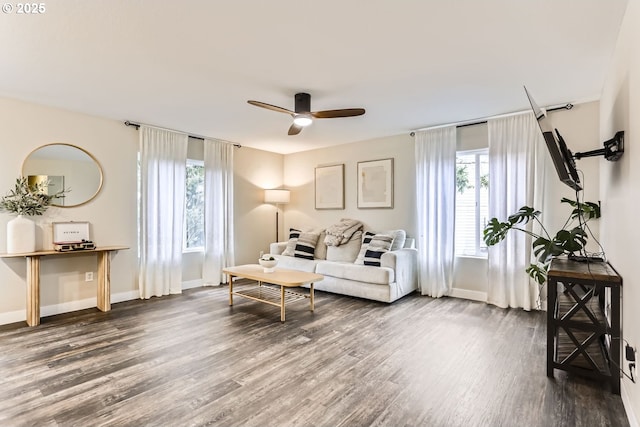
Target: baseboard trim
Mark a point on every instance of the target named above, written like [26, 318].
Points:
[13, 317]
[125, 296]
[65, 307]
[190, 284]
[467, 294]
[626, 402]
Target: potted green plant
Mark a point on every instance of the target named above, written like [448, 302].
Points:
[25, 200]
[570, 239]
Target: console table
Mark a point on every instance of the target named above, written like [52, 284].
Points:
[583, 320]
[33, 277]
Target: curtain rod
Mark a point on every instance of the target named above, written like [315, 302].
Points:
[567, 106]
[202, 138]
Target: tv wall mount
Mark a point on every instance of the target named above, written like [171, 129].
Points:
[612, 151]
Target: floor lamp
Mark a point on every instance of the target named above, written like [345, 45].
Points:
[277, 197]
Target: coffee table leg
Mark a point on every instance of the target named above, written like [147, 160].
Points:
[311, 295]
[281, 303]
[230, 290]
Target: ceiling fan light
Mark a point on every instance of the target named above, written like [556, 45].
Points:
[302, 119]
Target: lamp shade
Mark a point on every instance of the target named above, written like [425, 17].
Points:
[277, 196]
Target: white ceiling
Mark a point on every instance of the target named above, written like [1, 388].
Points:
[192, 65]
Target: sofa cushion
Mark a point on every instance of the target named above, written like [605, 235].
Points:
[347, 252]
[359, 273]
[379, 244]
[293, 263]
[306, 245]
[321, 247]
[294, 234]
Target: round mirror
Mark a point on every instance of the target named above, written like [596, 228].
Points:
[65, 167]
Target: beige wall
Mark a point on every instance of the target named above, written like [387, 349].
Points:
[620, 110]
[255, 226]
[579, 127]
[112, 213]
[299, 170]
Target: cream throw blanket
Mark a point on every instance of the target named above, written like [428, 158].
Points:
[341, 233]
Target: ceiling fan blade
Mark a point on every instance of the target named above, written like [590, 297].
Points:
[345, 112]
[270, 107]
[294, 129]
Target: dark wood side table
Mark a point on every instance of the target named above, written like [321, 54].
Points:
[583, 320]
[33, 277]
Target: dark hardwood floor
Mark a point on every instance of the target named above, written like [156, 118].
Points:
[191, 359]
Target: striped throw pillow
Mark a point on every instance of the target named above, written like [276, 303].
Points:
[291, 244]
[306, 245]
[379, 244]
[366, 239]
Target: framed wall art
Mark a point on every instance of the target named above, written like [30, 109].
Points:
[330, 187]
[375, 184]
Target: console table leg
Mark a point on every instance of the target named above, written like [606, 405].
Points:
[104, 281]
[33, 290]
[230, 290]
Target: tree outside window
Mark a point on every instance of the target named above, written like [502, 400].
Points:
[194, 206]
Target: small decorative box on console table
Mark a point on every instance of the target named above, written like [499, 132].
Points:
[71, 236]
[583, 320]
[33, 277]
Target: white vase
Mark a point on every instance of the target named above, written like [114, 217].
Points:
[21, 235]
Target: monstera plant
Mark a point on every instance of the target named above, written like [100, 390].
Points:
[570, 239]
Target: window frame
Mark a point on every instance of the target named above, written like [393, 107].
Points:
[479, 251]
[195, 249]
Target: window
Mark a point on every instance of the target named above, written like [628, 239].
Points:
[472, 201]
[194, 207]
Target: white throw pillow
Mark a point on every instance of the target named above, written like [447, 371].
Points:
[347, 252]
[399, 238]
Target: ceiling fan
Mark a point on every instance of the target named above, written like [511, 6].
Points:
[302, 114]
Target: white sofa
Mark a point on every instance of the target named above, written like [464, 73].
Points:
[395, 278]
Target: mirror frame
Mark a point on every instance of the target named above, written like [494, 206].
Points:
[91, 156]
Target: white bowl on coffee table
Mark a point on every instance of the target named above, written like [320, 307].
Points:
[268, 265]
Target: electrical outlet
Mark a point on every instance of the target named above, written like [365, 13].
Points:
[88, 276]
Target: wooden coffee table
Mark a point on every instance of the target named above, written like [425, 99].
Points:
[267, 294]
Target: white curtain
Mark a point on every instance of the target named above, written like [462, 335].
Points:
[163, 156]
[218, 202]
[435, 198]
[516, 173]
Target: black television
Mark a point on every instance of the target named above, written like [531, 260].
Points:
[560, 154]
